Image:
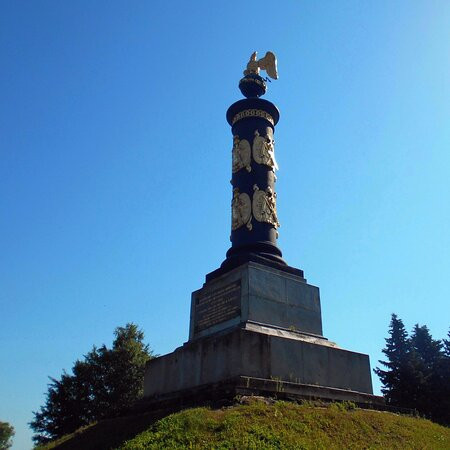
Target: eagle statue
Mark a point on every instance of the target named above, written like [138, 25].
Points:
[268, 63]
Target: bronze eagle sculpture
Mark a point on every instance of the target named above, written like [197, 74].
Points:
[268, 63]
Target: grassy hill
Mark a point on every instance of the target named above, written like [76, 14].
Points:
[262, 425]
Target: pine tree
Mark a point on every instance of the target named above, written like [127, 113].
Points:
[417, 371]
[446, 345]
[397, 379]
[426, 354]
[441, 410]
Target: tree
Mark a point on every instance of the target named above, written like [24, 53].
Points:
[417, 371]
[104, 384]
[398, 376]
[426, 355]
[441, 411]
[6, 434]
[446, 344]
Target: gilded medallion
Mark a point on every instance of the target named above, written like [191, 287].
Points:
[241, 155]
[264, 206]
[241, 210]
[264, 149]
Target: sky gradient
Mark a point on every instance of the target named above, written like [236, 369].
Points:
[115, 160]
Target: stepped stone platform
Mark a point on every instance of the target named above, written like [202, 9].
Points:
[233, 346]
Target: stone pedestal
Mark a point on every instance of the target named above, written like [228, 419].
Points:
[259, 294]
[259, 323]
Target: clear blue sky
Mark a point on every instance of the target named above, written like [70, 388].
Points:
[115, 160]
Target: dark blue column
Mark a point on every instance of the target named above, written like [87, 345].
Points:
[254, 221]
[247, 117]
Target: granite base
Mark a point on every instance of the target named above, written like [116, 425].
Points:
[259, 352]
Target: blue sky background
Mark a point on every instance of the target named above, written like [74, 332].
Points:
[115, 160]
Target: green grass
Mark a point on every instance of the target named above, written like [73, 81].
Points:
[258, 426]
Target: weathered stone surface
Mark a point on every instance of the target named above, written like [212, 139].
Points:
[267, 296]
[225, 393]
[258, 352]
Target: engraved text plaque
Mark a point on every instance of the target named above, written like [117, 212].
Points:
[218, 306]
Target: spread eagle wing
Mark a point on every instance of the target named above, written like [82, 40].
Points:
[269, 64]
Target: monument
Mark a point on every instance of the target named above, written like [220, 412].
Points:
[256, 325]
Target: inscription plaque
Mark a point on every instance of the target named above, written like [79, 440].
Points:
[218, 306]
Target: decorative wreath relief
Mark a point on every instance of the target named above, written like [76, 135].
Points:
[241, 210]
[264, 206]
[241, 155]
[264, 149]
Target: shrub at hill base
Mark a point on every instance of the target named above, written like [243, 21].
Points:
[104, 384]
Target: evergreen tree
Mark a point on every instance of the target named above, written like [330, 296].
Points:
[398, 375]
[446, 345]
[428, 349]
[441, 410]
[104, 384]
[417, 371]
[426, 355]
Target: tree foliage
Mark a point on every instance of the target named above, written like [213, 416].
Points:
[105, 383]
[417, 371]
[395, 378]
[6, 434]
